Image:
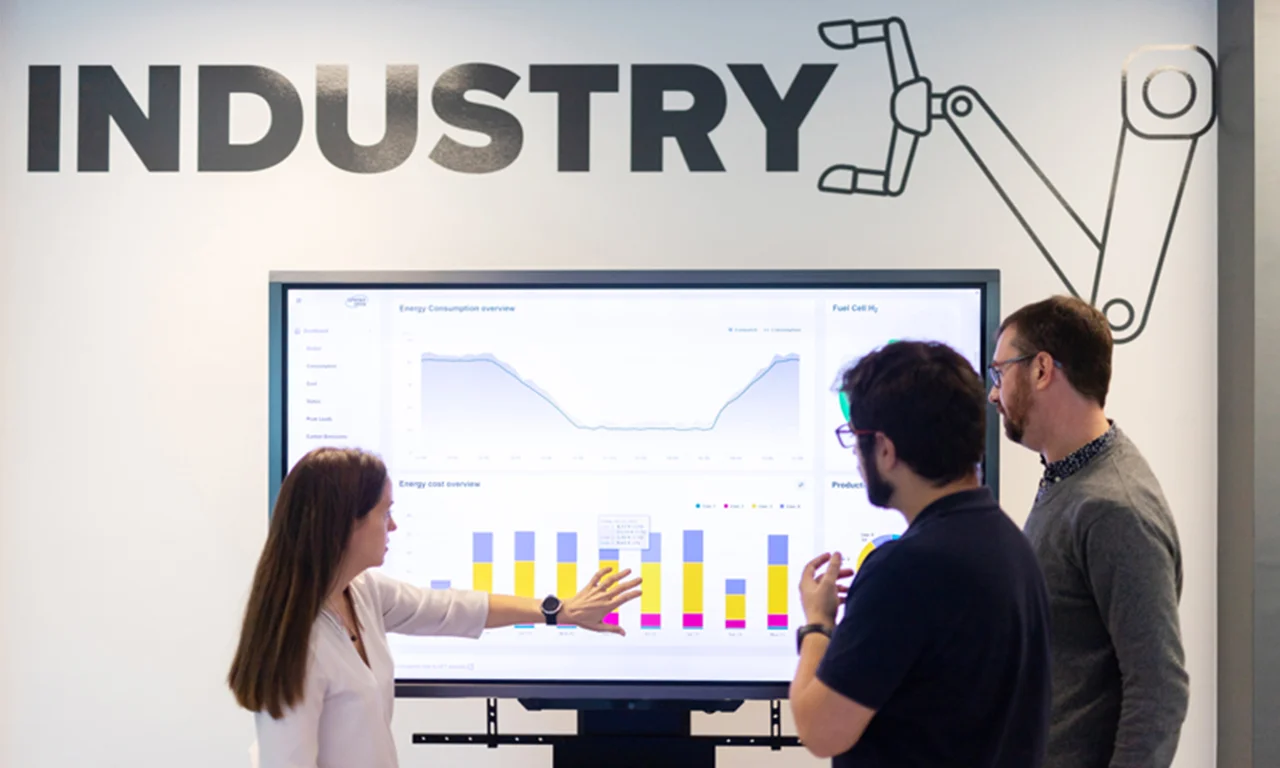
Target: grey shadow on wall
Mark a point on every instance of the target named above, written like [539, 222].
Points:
[1167, 102]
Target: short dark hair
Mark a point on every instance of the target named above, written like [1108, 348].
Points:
[926, 398]
[1075, 333]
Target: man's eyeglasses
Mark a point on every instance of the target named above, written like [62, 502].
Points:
[848, 436]
[996, 369]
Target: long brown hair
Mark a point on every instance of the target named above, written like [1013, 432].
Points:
[319, 502]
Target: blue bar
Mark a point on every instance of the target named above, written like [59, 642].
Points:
[654, 553]
[482, 548]
[693, 546]
[609, 555]
[777, 550]
[566, 547]
[524, 546]
[735, 586]
[445, 584]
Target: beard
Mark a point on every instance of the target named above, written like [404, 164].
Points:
[1015, 413]
[879, 490]
[1013, 429]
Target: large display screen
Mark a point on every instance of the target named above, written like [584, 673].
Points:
[537, 430]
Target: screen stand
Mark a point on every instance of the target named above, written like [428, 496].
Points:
[626, 734]
[631, 738]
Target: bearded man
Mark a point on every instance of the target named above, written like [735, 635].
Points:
[1106, 541]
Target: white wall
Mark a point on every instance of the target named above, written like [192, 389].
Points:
[133, 415]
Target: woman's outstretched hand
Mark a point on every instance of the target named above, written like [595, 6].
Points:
[599, 598]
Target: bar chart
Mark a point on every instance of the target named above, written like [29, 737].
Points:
[526, 547]
[609, 558]
[566, 567]
[692, 580]
[651, 573]
[482, 562]
[779, 584]
[735, 603]
[711, 569]
[714, 553]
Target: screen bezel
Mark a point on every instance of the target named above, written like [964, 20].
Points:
[987, 282]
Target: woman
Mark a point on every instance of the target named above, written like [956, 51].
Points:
[313, 662]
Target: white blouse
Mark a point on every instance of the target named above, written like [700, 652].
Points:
[344, 718]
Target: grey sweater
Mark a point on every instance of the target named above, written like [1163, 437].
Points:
[1110, 554]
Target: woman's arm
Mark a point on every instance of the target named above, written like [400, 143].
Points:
[587, 609]
[415, 611]
[505, 610]
[408, 609]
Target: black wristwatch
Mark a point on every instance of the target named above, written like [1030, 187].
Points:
[808, 629]
[551, 608]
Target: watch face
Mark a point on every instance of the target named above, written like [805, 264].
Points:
[551, 604]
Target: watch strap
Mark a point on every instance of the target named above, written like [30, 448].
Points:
[809, 629]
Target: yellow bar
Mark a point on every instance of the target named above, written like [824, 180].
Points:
[482, 577]
[778, 588]
[651, 595]
[566, 580]
[524, 579]
[612, 565]
[735, 607]
[693, 587]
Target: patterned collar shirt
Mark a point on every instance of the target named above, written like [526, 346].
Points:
[1057, 471]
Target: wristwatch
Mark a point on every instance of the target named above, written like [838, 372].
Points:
[551, 608]
[808, 629]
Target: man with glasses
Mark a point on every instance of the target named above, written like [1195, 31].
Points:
[1106, 541]
[942, 657]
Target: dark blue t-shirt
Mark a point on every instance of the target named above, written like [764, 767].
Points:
[946, 635]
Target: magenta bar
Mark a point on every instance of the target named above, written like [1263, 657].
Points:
[611, 619]
[735, 624]
[651, 621]
[777, 621]
[693, 621]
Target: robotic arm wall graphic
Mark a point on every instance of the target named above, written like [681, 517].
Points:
[1167, 104]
